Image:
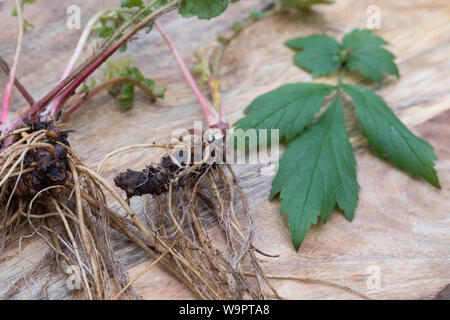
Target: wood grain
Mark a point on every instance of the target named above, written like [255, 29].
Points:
[401, 225]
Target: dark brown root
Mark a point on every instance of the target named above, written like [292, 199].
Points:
[49, 164]
[40, 189]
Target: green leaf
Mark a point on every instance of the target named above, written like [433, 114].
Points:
[203, 9]
[289, 108]
[316, 172]
[365, 53]
[124, 92]
[302, 3]
[318, 54]
[389, 137]
[126, 96]
[131, 3]
[106, 32]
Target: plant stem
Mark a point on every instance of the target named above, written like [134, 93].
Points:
[211, 117]
[12, 74]
[76, 54]
[341, 76]
[104, 86]
[69, 84]
[5, 68]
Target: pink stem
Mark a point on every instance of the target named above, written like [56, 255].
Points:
[71, 88]
[211, 118]
[12, 73]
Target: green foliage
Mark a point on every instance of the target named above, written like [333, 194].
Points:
[124, 92]
[131, 3]
[109, 23]
[106, 32]
[317, 171]
[203, 9]
[302, 3]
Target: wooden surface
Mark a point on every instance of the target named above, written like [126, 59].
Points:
[401, 225]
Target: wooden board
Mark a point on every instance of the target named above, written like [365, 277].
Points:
[401, 226]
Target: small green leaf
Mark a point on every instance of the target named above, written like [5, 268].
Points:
[126, 96]
[389, 137]
[131, 3]
[318, 54]
[203, 9]
[289, 108]
[106, 32]
[124, 92]
[316, 172]
[365, 53]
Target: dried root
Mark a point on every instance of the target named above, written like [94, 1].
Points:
[183, 199]
[41, 189]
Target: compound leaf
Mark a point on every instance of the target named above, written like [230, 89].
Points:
[203, 9]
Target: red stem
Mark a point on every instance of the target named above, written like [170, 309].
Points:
[65, 93]
[71, 88]
[211, 118]
[86, 69]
